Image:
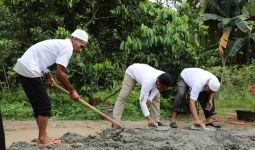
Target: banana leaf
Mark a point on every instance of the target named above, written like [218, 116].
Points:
[234, 46]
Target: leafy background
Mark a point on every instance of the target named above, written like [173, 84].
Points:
[217, 35]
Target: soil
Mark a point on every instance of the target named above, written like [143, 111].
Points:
[95, 135]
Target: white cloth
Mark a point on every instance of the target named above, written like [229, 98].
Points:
[196, 79]
[146, 76]
[38, 57]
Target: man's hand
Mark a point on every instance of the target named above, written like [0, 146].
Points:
[52, 83]
[51, 80]
[209, 105]
[193, 110]
[151, 123]
[198, 123]
[74, 95]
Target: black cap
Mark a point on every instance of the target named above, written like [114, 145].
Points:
[165, 79]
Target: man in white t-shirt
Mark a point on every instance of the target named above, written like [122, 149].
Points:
[203, 86]
[35, 63]
[152, 82]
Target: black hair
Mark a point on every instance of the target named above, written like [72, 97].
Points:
[165, 79]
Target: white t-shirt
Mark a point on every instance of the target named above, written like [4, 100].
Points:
[146, 76]
[196, 79]
[38, 57]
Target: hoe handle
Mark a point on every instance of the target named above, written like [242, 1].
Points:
[84, 103]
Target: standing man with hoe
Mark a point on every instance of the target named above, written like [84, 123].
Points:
[34, 64]
[203, 86]
[152, 82]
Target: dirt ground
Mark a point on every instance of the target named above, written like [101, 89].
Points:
[92, 135]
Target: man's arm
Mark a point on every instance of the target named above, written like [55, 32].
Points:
[144, 100]
[62, 77]
[210, 102]
[145, 110]
[192, 105]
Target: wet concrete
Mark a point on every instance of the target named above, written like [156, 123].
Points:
[149, 139]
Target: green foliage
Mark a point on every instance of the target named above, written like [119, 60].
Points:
[120, 33]
[150, 35]
[161, 37]
[234, 46]
[91, 78]
[249, 8]
[9, 43]
[17, 110]
[233, 93]
[15, 105]
[238, 76]
[231, 96]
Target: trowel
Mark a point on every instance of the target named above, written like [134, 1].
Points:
[162, 128]
[202, 128]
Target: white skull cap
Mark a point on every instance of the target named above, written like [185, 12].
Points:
[80, 34]
[214, 84]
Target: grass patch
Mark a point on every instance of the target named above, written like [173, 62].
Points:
[15, 106]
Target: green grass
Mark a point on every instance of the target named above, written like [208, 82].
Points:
[230, 98]
[15, 106]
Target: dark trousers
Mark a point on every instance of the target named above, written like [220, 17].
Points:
[37, 95]
[2, 138]
[180, 100]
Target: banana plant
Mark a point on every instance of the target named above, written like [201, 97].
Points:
[229, 46]
[235, 25]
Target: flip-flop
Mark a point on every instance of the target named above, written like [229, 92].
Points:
[162, 128]
[202, 128]
[213, 125]
[53, 141]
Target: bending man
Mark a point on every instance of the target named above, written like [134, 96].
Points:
[203, 85]
[152, 81]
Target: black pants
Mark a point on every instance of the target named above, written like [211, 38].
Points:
[180, 100]
[37, 95]
[2, 138]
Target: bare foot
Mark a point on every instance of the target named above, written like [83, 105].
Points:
[42, 143]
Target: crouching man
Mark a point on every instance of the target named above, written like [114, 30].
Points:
[203, 85]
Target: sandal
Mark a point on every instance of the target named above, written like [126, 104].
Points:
[173, 125]
[213, 125]
[161, 124]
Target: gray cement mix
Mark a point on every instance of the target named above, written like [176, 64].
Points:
[148, 139]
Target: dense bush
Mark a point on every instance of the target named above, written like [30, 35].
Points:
[120, 33]
[236, 80]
